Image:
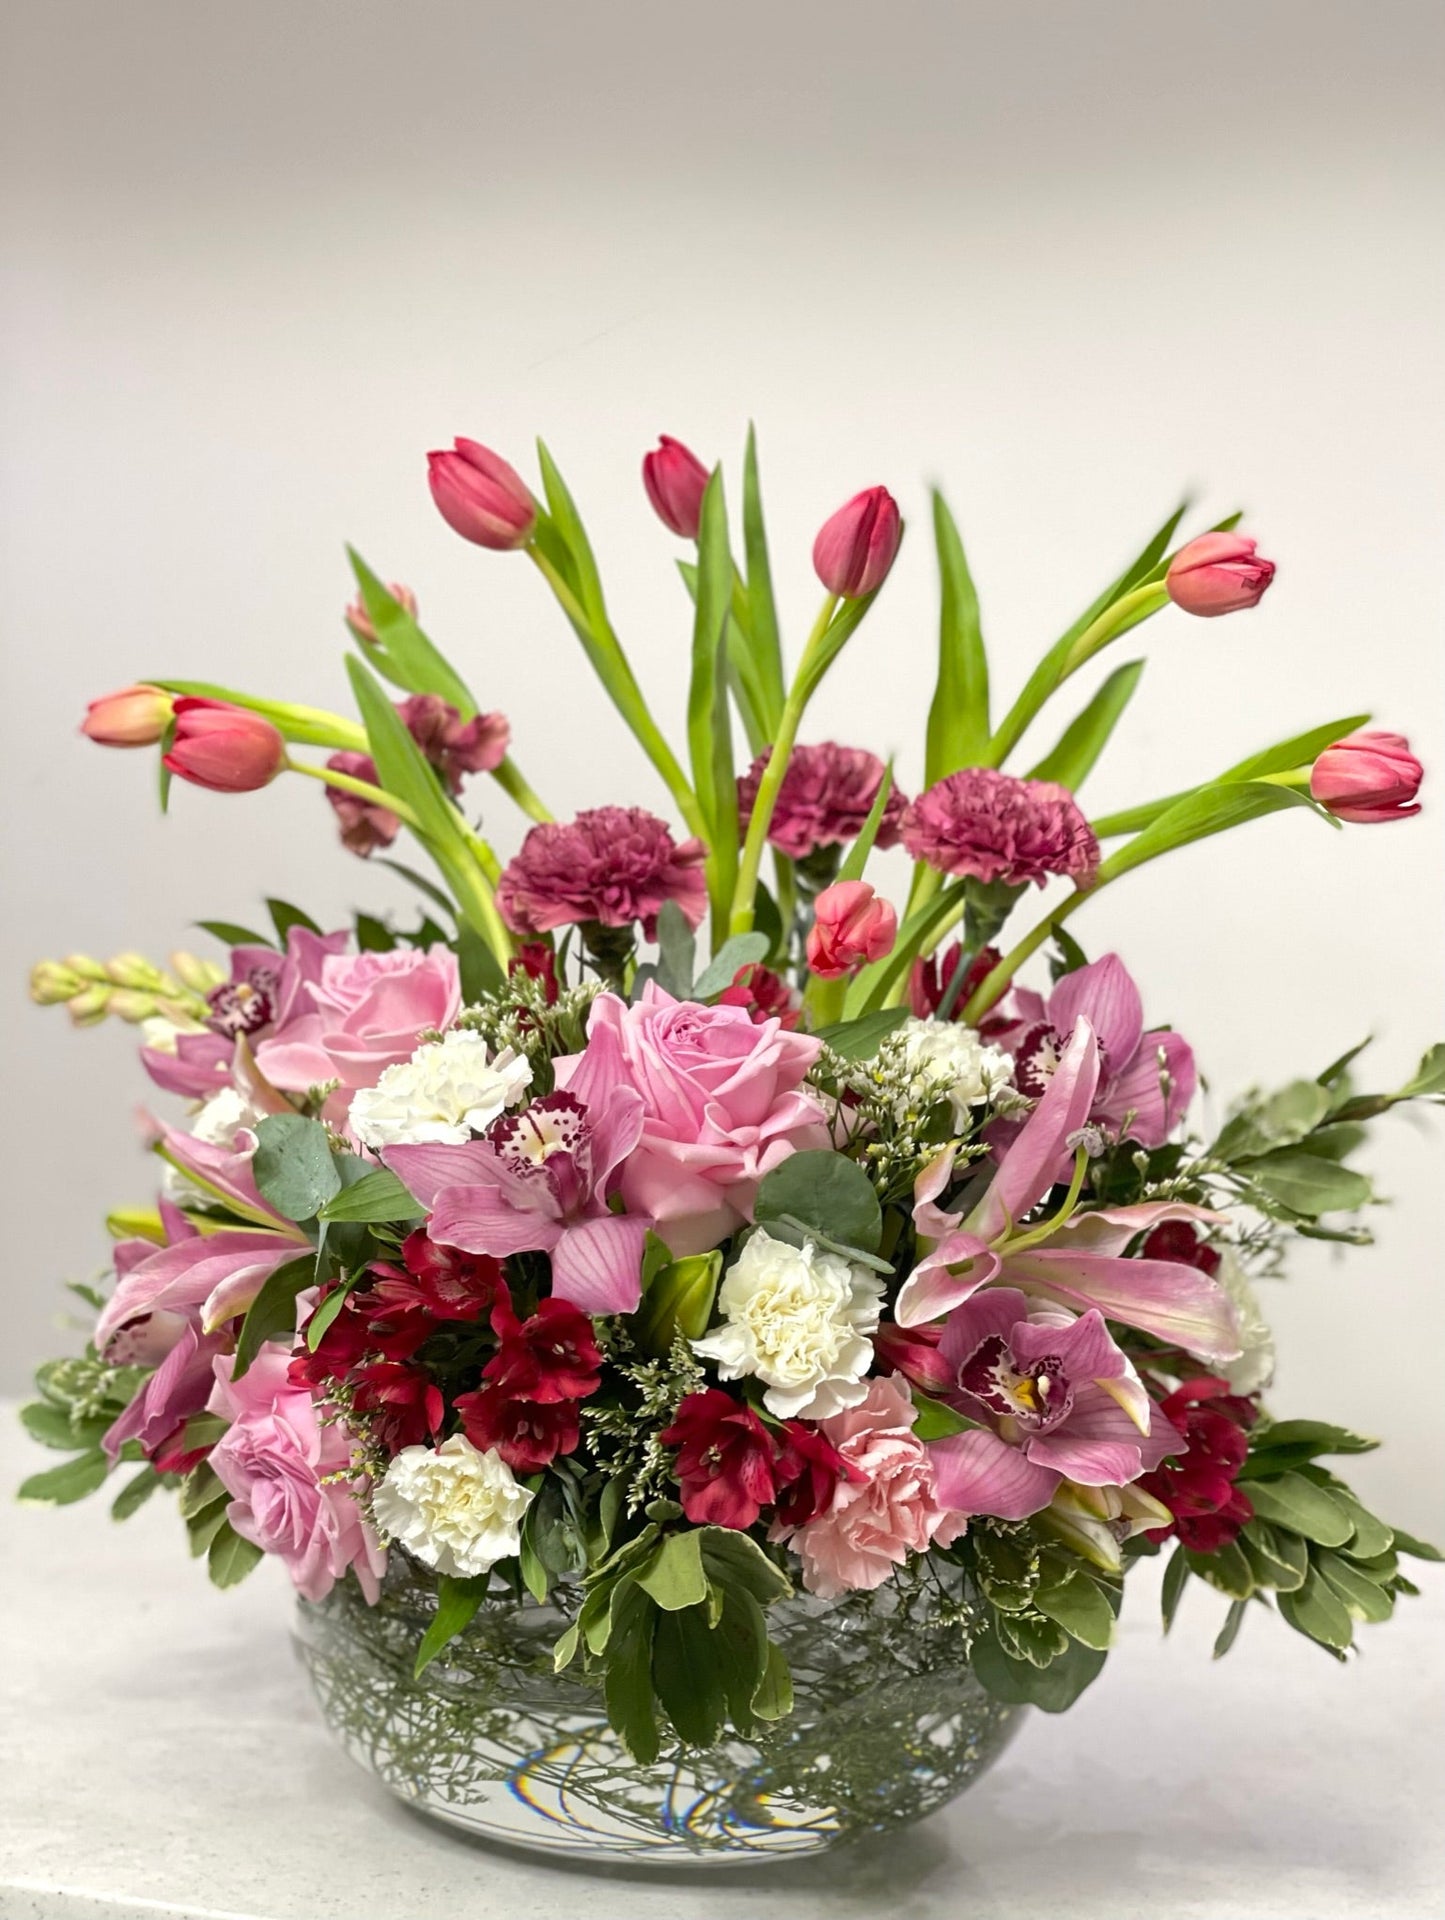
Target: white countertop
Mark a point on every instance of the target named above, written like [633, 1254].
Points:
[159, 1754]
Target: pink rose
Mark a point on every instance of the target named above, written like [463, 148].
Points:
[367, 1011]
[275, 1461]
[885, 1511]
[723, 1104]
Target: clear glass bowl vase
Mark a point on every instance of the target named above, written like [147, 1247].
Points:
[889, 1724]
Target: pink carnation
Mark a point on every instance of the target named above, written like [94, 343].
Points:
[825, 797]
[454, 746]
[612, 865]
[276, 1460]
[723, 1104]
[988, 826]
[884, 1510]
[365, 825]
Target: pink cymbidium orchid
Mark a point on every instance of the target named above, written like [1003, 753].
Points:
[1055, 1398]
[1073, 1259]
[539, 1181]
[1145, 1080]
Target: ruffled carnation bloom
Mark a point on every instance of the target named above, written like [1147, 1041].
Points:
[448, 1090]
[457, 1509]
[826, 795]
[988, 826]
[455, 747]
[365, 824]
[799, 1320]
[287, 1472]
[930, 1061]
[723, 1104]
[883, 1509]
[610, 866]
[1198, 1485]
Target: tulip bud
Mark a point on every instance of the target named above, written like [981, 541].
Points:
[360, 621]
[1370, 776]
[228, 749]
[481, 497]
[1218, 573]
[855, 549]
[851, 925]
[675, 480]
[134, 717]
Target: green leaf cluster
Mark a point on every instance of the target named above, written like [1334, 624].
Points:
[1046, 1619]
[79, 1401]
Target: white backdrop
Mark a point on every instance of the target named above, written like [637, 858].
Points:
[1067, 259]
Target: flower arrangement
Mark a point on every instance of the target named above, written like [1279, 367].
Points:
[527, 1250]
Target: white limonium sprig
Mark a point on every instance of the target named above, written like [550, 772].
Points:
[799, 1320]
[928, 1061]
[445, 1093]
[453, 1507]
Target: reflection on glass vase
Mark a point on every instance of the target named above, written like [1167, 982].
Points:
[889, 1724]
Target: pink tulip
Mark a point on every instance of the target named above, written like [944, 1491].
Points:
[228, 749]
[675, 480]
[360, 622]
[134, 717]
[855, 549]
[851, 925]
[1218, 573]
[481, 497]
[1368, 777]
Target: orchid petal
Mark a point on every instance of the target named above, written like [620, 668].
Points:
[1103, 993]
[482, 1219]
[1135, 1099]
[976, 1472]
[427, 1169]
[1032, 1163]
[597, 1265]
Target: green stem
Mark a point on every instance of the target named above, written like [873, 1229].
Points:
[363, 789]
[618, 679]
[771, 783]
[995, 985]
[307, 726]
[509, 778]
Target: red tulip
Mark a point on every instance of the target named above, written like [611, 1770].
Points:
[1218, 573]
[481, 497]
[851, 925]
[228, 749]
[1371, 776]
[675, 480]
[134, 717]
[855, 549]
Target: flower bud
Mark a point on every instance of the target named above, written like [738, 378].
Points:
[134, 717]
[90, 1005]
[228, 749]
[360, 621]
[1368, 777]
[675, 480]
[851, 925]
[481, 497]
[52, 983]
[133, 970]
[200, 976]
[679, 1300]
[855, 549]
[132, 1004]
[1218, 573]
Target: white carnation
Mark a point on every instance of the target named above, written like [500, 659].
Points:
[1254, 1367]
[444, 1094]
[942, 1059]
[798, 1319]
[455, 1508]
[216, 1122]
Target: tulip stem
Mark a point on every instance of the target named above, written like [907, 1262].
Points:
[509, 778]
[611, 666]
[1062, 660]
[995, 984]
[363, 789]
[804, 681]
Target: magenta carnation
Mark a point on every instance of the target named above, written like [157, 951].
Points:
[988, 826]
[825, 797]
[455, 747]
[612, 865]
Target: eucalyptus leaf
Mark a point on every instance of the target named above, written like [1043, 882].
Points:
[293, 1165]
[824, 1190]
[677, 945]
[741, 950]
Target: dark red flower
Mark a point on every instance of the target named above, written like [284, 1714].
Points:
[365, 824]
[528, 1434]
[930, 978]
[726, 1459]
[455, 747]
[172, 1455]
[765, 994]
[1198, 1485]
[808, 1473]
[539, 962]
[1176, 1240]
[403, 1404]
[551, 1357]
[913, 1352]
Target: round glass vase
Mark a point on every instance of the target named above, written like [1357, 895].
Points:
[888, 1725]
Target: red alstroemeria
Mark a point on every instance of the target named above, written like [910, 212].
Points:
[1198, 1485]
[765, 994]
[809, 1469]
[552, 1356]
[726, 1459]
[1176, 1240]
[528, 1434]
[402, 1404]
[930, 978]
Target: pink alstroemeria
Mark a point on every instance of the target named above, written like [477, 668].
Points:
[539, 1182]
[1056, 1399]
[1076, 1261]
[1146, 1080]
